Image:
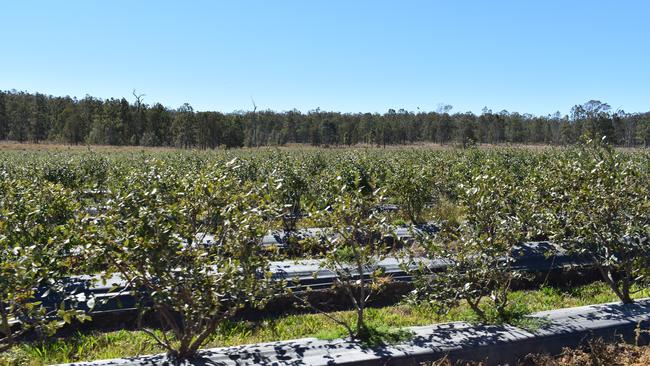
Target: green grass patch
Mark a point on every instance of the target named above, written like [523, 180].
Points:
[386, 325]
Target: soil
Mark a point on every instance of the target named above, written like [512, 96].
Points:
[596, 353]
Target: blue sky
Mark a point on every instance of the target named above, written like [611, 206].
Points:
[346, 55]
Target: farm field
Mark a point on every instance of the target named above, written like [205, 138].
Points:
[9, 146]
[143, 214]
[310, 183]
[59, 147]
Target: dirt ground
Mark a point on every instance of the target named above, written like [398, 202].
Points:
[596, 353]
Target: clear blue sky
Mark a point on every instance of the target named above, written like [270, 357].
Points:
[346, 55]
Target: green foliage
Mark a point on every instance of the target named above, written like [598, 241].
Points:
[289, 183]
[38, 225]
[152, 235]
[600, 206]
[144, 215]
[353, 243]
[413, 190]
[37, 117]
[96, 345]
[480, 250]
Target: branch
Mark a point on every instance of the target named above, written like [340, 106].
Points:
[326, 314]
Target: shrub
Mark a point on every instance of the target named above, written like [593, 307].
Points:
[154, 235]
[412, 190]
[479, 251]
[600, 208]
[289, 184]
[38, 229]
[353, 244]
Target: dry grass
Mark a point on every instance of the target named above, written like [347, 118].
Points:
[56, 147]
[52, 146]
[595, 353]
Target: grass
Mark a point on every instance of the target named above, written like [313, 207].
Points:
[386, 322]
[55, 146]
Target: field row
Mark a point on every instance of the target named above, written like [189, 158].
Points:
[145, 218]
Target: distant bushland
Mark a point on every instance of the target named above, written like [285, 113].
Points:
[27, 117]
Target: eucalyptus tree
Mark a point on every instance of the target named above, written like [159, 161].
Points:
[154, 236]
[600, 208]
[4, 120]
[39, 117]
[184, 127]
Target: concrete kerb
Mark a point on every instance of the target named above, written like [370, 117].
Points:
[495, 344]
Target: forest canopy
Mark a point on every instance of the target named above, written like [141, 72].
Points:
[39, 117]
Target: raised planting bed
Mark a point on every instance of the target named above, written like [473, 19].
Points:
[495, 344]
[112, 295]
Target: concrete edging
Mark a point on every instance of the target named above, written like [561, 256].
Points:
[496, 344]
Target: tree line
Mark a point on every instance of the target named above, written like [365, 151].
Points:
[37, 117]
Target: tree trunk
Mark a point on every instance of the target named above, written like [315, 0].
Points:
[608, 275]
[476, 309]
[6, 327]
